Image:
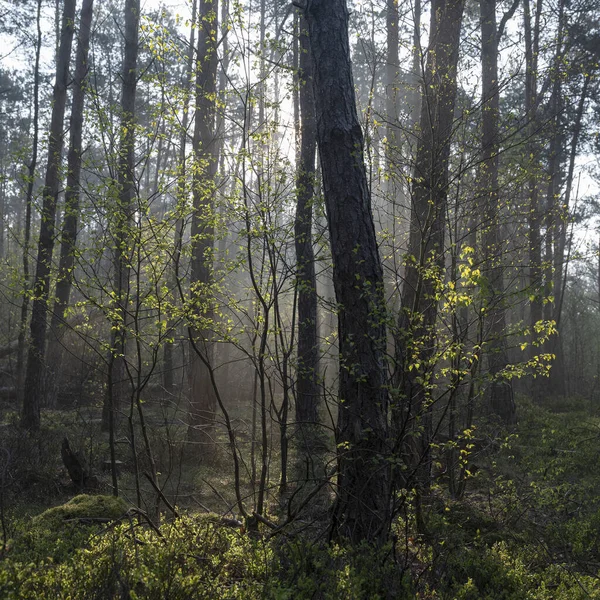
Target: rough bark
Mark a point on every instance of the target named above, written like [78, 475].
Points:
[71, 218]
[362, 507]
[501, 392]
[307, 389]
[34, 379]
[202, 401]
[415, 344]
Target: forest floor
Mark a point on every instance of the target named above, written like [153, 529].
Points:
[527, 526]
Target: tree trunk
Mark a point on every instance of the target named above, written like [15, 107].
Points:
[534, 218]
[307, 388]
[202, 401]
[414, 97]
[2, 193]
[501, 392]
[362, 510]
[415, 344]
[70, 223]
[393, 213]
[557, 380]
[554, 385]
[168, 365]
[392, 68]
[34, 379]
[28, 203]
[126, 191]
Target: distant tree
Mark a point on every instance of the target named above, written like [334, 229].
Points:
[72, 199]
[202, 401]
[531, 25]
[182, 189]
[501, 392]
[34, 380]
[124, 191]
[425, 268]
[31, 172]
[307, 389]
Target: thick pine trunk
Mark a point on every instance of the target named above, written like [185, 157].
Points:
[362, 510]
[34, 379]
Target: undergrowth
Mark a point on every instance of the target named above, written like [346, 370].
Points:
[528, 528]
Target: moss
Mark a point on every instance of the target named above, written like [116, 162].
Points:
[81, 507]
[58, 532]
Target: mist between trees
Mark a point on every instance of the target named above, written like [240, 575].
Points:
[297, 259]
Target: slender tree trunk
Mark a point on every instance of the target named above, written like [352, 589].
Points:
[414, 93]
[202, 402]
[534, 217]
[392, 213]
[168, 365]
[57, 30]
[392, 68]
[555, 384]
[226, 182]
[2, 193]
[296, 84]
[262, 191]
[307, 388]
[557, 380]
[501, 392]
[71, 217]
[125, 195]
[34, 380]
[28, 203]
[562, 217]
[220, 127]
[598, 273]
[415, 344]
[362, 510]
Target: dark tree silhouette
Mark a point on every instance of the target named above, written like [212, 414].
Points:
[362, 506]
